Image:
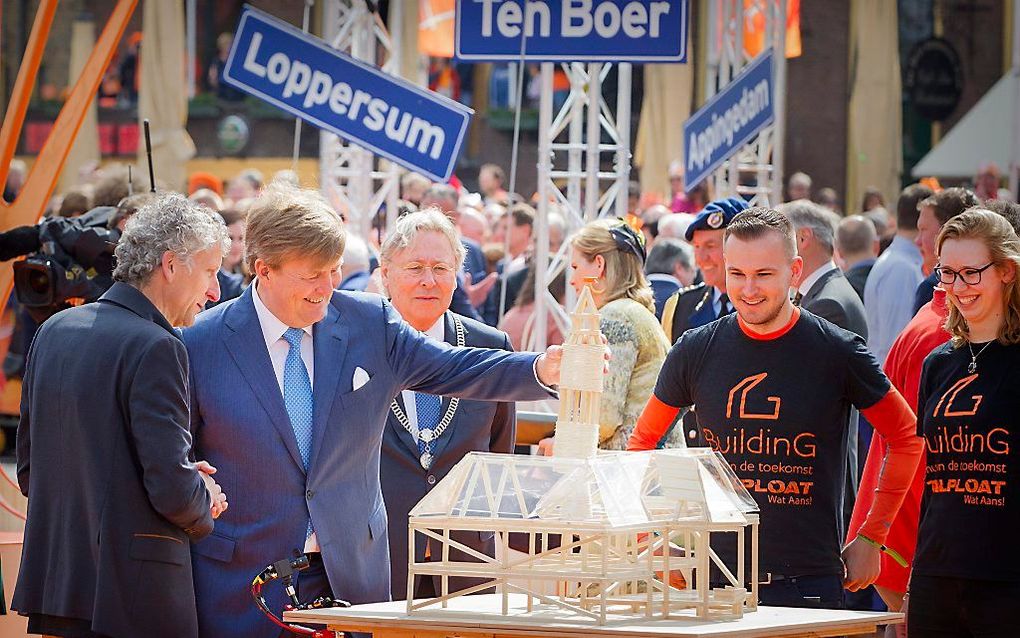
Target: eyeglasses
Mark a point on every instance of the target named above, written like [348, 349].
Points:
[970, 276]
[439, 271]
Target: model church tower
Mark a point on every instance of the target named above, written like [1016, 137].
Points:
[581, 377]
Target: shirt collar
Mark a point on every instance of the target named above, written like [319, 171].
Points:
[438, 329]
[810, 280]
[272, 327]
[658, 276]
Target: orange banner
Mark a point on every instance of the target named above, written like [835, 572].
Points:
[754, 27]
[435, 27]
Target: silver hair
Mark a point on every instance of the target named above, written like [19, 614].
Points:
[800, 179]
[674, 225]
[804, 213]
[168, 222]
[407, 228]
[665, 254]
[356, 253]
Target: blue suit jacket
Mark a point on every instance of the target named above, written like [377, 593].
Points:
[241, 426]
[358, 281]
[483, 426]
[474, 259]
[662, 290]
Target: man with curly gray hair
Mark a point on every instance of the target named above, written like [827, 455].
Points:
[105, 403]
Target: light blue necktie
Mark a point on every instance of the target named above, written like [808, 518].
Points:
[428, 407]
[297, 394]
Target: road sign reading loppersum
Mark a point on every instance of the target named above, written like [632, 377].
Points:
[416, 128]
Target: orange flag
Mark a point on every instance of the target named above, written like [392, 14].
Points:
[435, 28]
[754, 27]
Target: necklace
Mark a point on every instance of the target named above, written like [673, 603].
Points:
[972, 366]
[430, 436]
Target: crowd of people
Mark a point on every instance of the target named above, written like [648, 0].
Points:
[854, 370]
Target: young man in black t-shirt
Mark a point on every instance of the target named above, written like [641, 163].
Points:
[773, 386]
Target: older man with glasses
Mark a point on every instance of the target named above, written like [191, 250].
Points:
[426, 434]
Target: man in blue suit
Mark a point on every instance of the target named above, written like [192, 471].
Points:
[291, 383]
[426, 435]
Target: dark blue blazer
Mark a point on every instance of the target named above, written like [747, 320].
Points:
[662, 289]
[241, 426]
[357, 282]
[474, 259]
[481, 426]
[103, 448]
[231, 287]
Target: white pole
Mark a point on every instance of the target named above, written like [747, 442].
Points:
[189, 35]
[623, 158]
[297, 120]
[593, 136]
[1014, 162]
[779, 100]
[541, 261]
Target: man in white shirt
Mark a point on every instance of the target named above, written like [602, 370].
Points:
[889, 291]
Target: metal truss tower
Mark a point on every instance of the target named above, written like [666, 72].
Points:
[756, 171]
[353, 178]
[574, 143]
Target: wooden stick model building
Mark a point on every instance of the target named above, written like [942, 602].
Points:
[607, 533]
[577, 426]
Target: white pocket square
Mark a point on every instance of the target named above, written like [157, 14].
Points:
[360, 378]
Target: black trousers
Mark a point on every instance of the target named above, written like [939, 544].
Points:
[824, 592]
[941, 607]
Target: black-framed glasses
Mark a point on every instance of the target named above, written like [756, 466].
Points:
[970, 276]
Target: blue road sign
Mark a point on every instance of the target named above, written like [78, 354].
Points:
[572, 30]
[728, 121]
[303, 75]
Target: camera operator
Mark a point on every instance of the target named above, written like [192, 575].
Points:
[82, 245]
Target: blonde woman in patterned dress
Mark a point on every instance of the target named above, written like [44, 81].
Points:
[614, 254]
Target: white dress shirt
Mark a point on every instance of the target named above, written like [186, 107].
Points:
[717, 301]
[811, 279]
[272, 331]
[438, 333]
[889, 294]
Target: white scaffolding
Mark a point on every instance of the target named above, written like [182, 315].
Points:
[571, 153]
[356, 181]
[756, 171]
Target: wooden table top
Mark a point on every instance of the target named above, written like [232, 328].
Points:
[479, 616]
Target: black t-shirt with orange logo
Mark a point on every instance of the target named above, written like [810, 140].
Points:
[970, 509]
[777, 407]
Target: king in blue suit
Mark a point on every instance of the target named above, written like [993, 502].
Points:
[290, 388]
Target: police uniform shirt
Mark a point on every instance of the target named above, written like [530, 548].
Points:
[781, 424]
[970, 509]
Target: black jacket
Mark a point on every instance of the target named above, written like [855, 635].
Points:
[481, 426]
[103, 447]
[833, 298]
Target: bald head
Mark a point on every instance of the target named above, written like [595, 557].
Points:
[856, 240]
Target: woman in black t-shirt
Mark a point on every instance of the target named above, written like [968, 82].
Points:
[966, 575]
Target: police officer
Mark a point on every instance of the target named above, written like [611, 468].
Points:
[704, 302]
